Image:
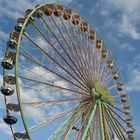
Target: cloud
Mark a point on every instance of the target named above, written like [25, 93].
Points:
[133, 74]
[127, 6]
[40, 93]
[122, 17]
[127, 28]
[16, 8]
[133, 84]
[127, 47]
[36, 114]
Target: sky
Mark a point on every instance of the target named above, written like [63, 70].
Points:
[116, 21]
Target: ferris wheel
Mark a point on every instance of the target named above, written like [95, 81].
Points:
[61, 82]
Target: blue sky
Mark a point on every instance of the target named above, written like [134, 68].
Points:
[116, 21]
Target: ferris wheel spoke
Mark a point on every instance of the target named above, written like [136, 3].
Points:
[111, 128]
[88, 58]
[61, 33]
[67, 92]
[27, 52]
[66, 44]
[101, 120]
[104, 122]
[94, 61]
[54, 73]
[98, 63]
[102, 62]
[96, 125]
[69, 128]
[39, 75]
[85, 54]
[84, 49]
[60, 44]
[109, 131]
[112, 87]
[115, 85]
[93, 54]
[117, 122]
[64, 124]
[24, 50]
[74, 50]
[114, 124]
[102, 71]
[92, 128]
[82, 60]
[116, 108]
[48, 102]
[31, 71]
[119, 116]
[80, 76]
[107, 80]
[57, 62]
[49, 84]
[70, 58]
[89, 122]
[83, 124]
[106, 75]
[54, 118]
[91, 60]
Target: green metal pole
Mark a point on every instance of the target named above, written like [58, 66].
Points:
[90, 132]
[89, 122]
[109, 138]
[113, 122]
[72, 124]
[101, 119]
[61, 127]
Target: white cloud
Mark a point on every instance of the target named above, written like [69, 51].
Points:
[126, 5]
[36, 114]
[54, 110]
[127, 28]
[127, 47]
[16, 8]
[134, 80]
[122, 16]
[28, 95]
